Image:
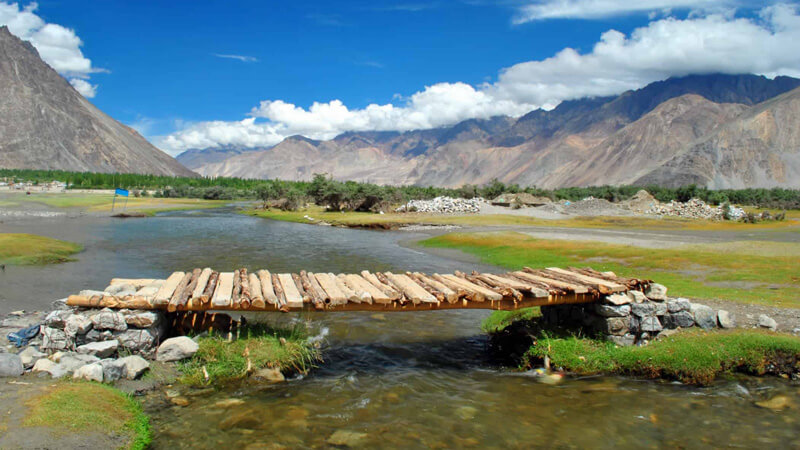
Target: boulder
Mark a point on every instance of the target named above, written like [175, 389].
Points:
[704, 316]
[270, 375]
[29, 356]
[45, 365]
[617, 299]
[101, 349]
[143, 319]
[176, 349]
[113, 369]
[72, 361]
[617, 326]
[56, 319]
[346, 438]
[765, 321]
[139, 341]
[10, 365]
[623, 341]
[650, 325]
[109, 320]
[91, 293]
[656, 292]
[725, 319]
[94, 336]
[54, 339]
[612, 311]
[680, 319]
[119, 290]
[637, 296]
[135, 366]
[77, 324]
[89, 372]
[678, 304]
[643, 309]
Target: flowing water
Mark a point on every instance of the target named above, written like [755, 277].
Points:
[407, 380]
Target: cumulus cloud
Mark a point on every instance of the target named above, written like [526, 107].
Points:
[57, 45]
[594, 9]
[617, 62]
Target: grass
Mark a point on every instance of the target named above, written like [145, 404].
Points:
[30, 249]
[695, 357]
[747, 272]
[79, 407]
[103, 202]
[392, 220]
[498, 320]
[258, 346]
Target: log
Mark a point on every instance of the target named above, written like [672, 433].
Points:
[518, 285]
[299, 283]
[276, 284]
[200, 287]
[138, 283]
[360, 287]
[603, 286]
[244, 296]
[224, 291]
[293, 297]
[181, 296]
[110, 302]
[256, 298]
[449, 294]
[387, 290]
[313, 288]
[237, 290]
[385, 281]
[164, 294]
[528, 274]
[472, 288]
[211, 287]
[346, 290]
[434, 292]
[267, 289]
[328, 284]
[411, 289]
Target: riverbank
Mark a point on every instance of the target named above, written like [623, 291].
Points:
[102, 202]
[29, 249]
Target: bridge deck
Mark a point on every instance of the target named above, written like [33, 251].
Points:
[206, 290]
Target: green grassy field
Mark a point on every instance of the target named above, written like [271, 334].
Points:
[30, 249]
[692, 356]
[103, 202]
[79, 407]
[390, 220]
[761, 273]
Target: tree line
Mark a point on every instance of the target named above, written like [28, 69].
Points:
[351, 195]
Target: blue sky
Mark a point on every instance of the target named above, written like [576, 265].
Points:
[157, 65]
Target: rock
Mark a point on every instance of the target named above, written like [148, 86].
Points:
[765, 321]
[661, 308]
[617, 299]
[10, 365]
[109, 320]
[91, 293]
[113, 369]
[777, 403]
[680, 319]
[72, 361]
[678, 304]
[180, 401]
[704, 317]
[645, 309]
[650, 324]
[29, 356]
[248, 419]
[60, 304]
[47, 366]
[656, 292]
[102, 349]
[89, 372]
[466, 412]
[617, 326]
[612, 311]
[135, 366]
[725, 319]
[346, 438]
[176, 349]
[93, 336]
[637, 296]
[54, 339]
[271, 375]
[229, 403]
[143, 319]
[56, 319]
[666, 333]
[139, 341]
[623, 341]
[77, 324]
[119, 290]
[56, 357]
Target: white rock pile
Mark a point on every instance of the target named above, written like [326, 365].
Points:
[444, 205]
[694, 209]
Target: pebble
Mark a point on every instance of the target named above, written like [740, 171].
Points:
[346, 438]
[777, 403]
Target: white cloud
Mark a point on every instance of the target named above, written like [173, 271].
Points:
[617, 62]
[594, 9]
[242, 58]
[57, 45]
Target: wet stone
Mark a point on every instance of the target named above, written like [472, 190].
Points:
[346, 438]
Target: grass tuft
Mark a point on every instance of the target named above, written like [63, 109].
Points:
[260, 344]
[30, 249]
[90, 407]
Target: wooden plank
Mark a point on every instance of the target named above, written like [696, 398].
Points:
[244, 300]
[164, 294]
[138, 283]
[301, 288]
[430, 289]
[346, 290]
[459, 288]
[534, 290]
[276, 284]
[293, 297]
[312, 287]
[605, 287]
[181, 296]
[366, 290]
[449, 294]
[412, 290]
[472, 287]
[211, 287]
[351, 282]
[266, 287]
[256, 298]
[328, 284]
[237, 289]
[576, 288]
[200, 286]
[387, 290]
[224, 292]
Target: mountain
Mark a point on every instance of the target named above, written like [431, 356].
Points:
[46, 124]
[605, 140]
[198, 157]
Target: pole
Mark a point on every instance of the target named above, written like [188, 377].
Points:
[113, 201]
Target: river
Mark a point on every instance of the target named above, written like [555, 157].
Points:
[407, 380]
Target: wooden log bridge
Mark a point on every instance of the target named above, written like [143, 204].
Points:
[240, 290]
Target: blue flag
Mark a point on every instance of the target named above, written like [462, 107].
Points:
[122, 192]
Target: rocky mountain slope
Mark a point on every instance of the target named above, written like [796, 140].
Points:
[609, 140]
[46, 124]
